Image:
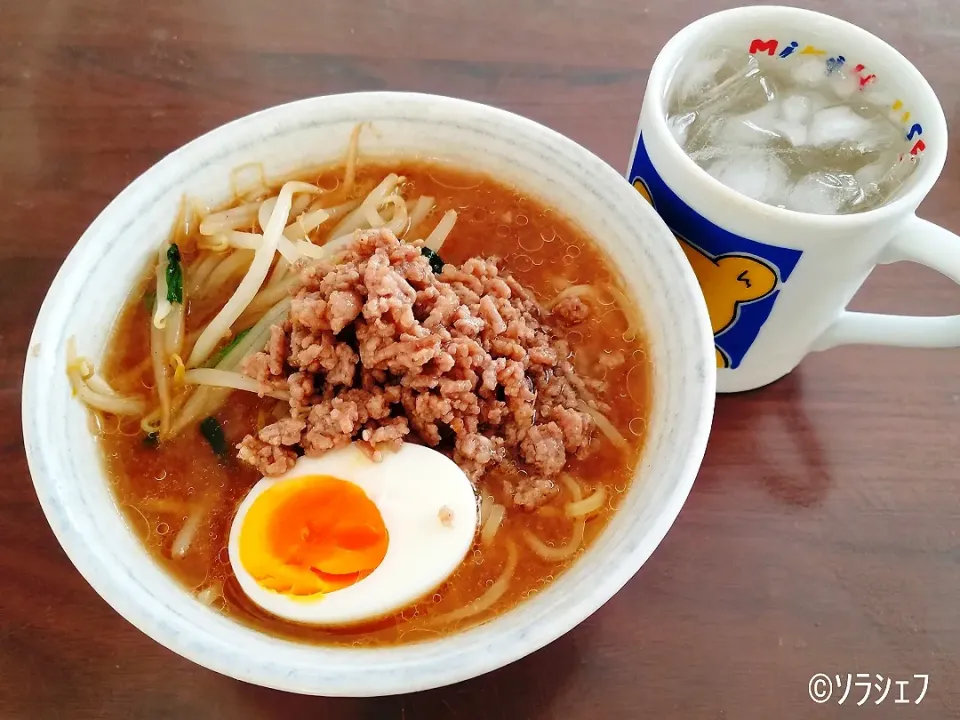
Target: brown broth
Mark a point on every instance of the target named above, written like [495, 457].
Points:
[545, 252]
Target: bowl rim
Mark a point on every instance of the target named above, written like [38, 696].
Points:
[120, 600]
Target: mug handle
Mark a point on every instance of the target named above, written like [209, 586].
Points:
[918, 241]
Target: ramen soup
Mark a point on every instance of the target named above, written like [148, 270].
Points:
[371, 404]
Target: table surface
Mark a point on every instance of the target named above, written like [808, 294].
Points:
[821, 535]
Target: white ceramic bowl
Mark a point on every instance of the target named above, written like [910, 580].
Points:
[93, 282]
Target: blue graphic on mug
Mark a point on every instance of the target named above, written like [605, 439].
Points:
[740, 278]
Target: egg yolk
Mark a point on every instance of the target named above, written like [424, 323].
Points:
[312, 535]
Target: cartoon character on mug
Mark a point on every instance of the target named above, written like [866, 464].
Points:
[727, 281]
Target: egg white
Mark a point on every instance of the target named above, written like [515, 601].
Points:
[410, 489]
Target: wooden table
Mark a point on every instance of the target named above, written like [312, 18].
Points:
[822, 533]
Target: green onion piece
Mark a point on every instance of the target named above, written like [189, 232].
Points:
[218, 357]
[174, 275]
[436, 264]
[149, 300]
[211, 430]
[151, 440]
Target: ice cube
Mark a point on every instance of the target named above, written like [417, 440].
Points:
[754, 128]
[679, 126]
[758, 175]
[796, 109]
[698, 75]
[837, 125]
[870, 176]
[824, 193]
[794, 133]
[843, 85]
[809, 72]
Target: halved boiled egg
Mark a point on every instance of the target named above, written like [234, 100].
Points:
[341, 539]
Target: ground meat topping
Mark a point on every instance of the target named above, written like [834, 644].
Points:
[266, 458]
[570, 311]
[380, 346]
[282, 432]
[531, 492]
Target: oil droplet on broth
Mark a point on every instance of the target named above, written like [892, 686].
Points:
[637, 426]
[522, 263]
[574, 251]
[531, 242]
[636, 383]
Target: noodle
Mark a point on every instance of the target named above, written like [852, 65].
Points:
[605, 426]
[435, 239]
[485, 504]
[573, 487]
[556, 554]
[589, 290]
[582, 508]
[490, 527]
[255, 276]
[572, 291]
[490, 597]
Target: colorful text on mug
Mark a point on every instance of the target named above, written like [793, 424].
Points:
[791, 125]
[860, 77]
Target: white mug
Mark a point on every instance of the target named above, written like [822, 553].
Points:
[777, 282]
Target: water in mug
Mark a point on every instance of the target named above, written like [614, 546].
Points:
[802, 134]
